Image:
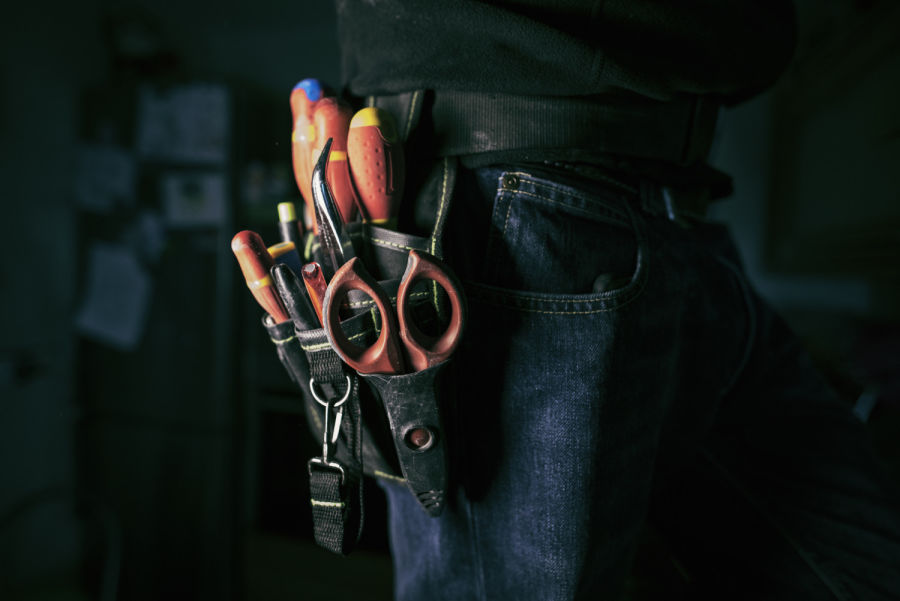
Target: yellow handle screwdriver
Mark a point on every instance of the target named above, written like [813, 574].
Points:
[377, 165]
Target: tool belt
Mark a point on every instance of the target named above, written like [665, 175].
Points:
[394, 426]
[387, 426]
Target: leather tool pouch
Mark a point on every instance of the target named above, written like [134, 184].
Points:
[395, 430]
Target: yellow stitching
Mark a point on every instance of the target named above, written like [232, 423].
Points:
[316, 347]
[386, 243]
[359, 304]
[619, 302]
[323, 345]
[438, 224]
[381, 474]
[315, 503]
[619, 305]
[538, 299]
[531, 181]
[412, 103]
[508, 211]
[622, 216]
[437, 221]
[285, 341]
[393, 299]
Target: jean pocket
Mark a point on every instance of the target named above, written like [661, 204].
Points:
[553, 243]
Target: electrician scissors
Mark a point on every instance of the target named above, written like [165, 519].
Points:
[401, 346]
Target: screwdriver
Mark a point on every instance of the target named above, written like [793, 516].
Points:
[377, 164]
[286, 253]
[255, 262]
[331, 118]
[294, 296]
[315, 286]
[289, 226]
[302, 100]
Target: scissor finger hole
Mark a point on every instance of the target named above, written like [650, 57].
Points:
[361, 323]
[428, 307]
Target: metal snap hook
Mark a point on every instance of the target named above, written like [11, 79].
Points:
[324, 402]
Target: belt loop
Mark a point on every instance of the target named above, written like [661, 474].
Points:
[406, 109]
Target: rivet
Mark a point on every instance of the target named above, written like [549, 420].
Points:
[418, 438]
[510, 180]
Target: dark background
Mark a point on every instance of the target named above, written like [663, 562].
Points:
[170, 464]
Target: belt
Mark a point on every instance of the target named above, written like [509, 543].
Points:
[678, 132]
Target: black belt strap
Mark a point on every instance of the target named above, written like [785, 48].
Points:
[465, 123]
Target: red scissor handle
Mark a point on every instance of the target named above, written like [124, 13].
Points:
[383, 357]
[425, 351]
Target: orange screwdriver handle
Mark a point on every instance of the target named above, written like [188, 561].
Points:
[377, 164]
[255, 262]
[303, 99]
[316, 286]
[331, 119]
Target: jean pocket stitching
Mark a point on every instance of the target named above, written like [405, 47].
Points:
[604, 213]
[609, 301]
[550, 187]
[494, 237]
[511, 299]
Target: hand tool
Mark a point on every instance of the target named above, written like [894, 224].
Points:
[407, 386]
[315, 287]
[293, 294]
[255, 262]
[302, 100]
[285, 252]
[289, 226]
[336, 244]
[377, 164]
[331, 119]
[386, 355]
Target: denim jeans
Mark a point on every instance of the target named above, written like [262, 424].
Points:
[617, 368]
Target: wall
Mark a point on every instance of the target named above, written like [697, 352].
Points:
[41, 82]
[52, 53]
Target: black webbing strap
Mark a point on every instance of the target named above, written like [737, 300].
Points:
[332, 509]
[335, 478]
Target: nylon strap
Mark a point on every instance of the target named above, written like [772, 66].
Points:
[336, 494]
[332, 509]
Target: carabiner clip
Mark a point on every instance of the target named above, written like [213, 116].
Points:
[331, 431]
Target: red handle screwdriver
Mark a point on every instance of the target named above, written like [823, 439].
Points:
[331, 119]
[377, 164]
[303, 99]
[255, 262]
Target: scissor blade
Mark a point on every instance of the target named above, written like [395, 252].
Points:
[336, 244]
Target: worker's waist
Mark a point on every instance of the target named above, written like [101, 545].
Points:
[678, 132]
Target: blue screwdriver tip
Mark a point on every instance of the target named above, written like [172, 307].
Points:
[311, 87]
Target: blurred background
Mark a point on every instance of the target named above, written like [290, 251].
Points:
[150, 445]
